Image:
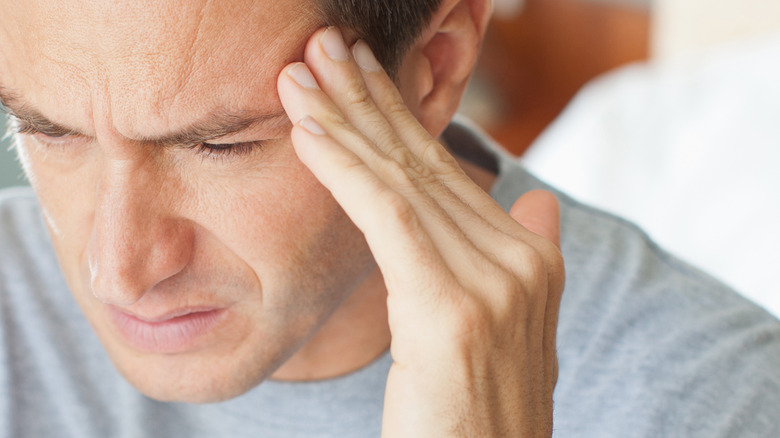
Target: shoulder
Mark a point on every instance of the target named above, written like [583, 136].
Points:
[13, 196]
[16, 203]
[669, 349]
[26, 255]
[33, 294]
[649, 345]
[20, 217]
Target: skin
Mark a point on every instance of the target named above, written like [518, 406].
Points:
[350, 230]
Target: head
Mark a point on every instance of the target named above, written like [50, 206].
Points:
[204, 269]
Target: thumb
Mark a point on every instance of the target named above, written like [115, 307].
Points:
[539, 213]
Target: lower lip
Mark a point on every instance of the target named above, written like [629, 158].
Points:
[175, 335]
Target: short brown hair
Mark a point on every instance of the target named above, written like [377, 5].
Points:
[390, 27]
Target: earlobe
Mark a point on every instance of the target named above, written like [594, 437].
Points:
[443, 60]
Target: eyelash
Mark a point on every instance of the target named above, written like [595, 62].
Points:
[207, 150]
[27, 129]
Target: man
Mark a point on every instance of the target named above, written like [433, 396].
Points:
[236, 194]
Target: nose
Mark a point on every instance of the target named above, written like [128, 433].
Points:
[137, 239]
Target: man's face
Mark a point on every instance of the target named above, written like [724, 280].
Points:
[201, 270]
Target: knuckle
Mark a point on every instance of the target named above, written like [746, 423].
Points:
[334, 120]
[358, 96]
[498, 280]
[491, 305]
[350, 162]
[396, 174]
[526, 259]
[535, 269]
[396, 108]
[555, 264]
[438, 158]
[508, 295]
[471, 320]
[403, 156]
[423, 173]
[399, 211]
[406, 175]
[550, 263]
[528, 272]
[409, 162]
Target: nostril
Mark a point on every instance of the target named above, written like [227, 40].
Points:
[123, 266]
[114, 282]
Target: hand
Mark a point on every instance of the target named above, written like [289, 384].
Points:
[473, 295]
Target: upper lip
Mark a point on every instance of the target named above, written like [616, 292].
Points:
[171, 314]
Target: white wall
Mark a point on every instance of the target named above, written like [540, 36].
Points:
[685, 26]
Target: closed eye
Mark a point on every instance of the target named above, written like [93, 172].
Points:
[25, 128]
[227, 150]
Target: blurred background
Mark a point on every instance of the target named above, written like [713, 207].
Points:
[539, 53]
[10, 174]
[662, 111]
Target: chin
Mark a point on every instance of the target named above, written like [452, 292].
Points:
[196, 393]
[193, 387]
[192, 378]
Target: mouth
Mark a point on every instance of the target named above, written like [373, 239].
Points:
[175, 332]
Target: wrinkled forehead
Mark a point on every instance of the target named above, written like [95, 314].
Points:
[149, 56]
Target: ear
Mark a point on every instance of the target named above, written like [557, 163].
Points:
[437, 69]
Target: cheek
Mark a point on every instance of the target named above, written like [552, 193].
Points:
[63, 188]
[294, 236]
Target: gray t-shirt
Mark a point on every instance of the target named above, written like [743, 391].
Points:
[648, 346]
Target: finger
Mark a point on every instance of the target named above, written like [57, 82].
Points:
[353, 83]
[301, 96]
[330, 61]
[392, 129]
[502, 240]
[430, 152]
[341, 79]
[376, 193]
[538, 211]
[471, 246]
[461, 229]
[409, 252]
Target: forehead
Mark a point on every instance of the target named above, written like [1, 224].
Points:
[150, 61]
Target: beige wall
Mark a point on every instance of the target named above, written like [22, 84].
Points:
[682, 26]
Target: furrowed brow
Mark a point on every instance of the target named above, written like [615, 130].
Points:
[216, 125]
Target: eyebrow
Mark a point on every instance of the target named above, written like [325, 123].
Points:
[217, 124]
[12, 105]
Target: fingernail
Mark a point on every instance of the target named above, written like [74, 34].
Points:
[333, 44]
[301, 74]
[365, 57]
[311, 125]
